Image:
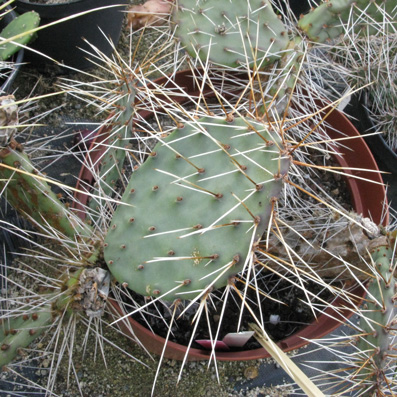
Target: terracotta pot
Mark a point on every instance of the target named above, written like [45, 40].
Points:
[367, 199]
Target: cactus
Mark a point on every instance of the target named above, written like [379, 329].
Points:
[230, 172]
[375, 345]
[231, 33]
[370, 62]
[193, 213]
[32, 196]
[83, 290]
[112, 162]
[238, 34]
[333, 17]
[17, 33]
[19, 332]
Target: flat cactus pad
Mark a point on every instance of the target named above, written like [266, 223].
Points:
[193, 211]
[230, 33]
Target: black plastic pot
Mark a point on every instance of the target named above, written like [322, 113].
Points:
[298, 7]
[17, 59]
[377, 144]
[385, 157]
[64, 41]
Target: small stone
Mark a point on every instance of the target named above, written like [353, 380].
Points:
[251, 372]
[274, 319]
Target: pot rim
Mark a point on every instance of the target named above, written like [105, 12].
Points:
[64, 3]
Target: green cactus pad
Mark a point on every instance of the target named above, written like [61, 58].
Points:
[20, 332]
[332, 18]
[183, 222]
[380, 312]
[23, 23]
[32, 196]
[113, 160]
[230, 33]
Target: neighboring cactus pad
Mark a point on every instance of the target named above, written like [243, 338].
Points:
[231, 33]
[194, 209]
[113, 159]
[20, 332]
[378, 325]
[22, 24]
[335, 17]
[32, 196]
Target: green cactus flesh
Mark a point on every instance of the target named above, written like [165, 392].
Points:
[230, 33]
[192, 212]
[19, 332]
[33, 196]
[23, 23]
[380, 314]
[114, 157]
[289, 66]
[332, 18]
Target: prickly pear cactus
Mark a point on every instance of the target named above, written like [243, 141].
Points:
[230, 33]
[31, 195]
[378, 325]
[21, 24]
[118, 141]
[19, 332]
[335, 17]
[193, 211]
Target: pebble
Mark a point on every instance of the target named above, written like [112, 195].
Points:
[251, 372]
